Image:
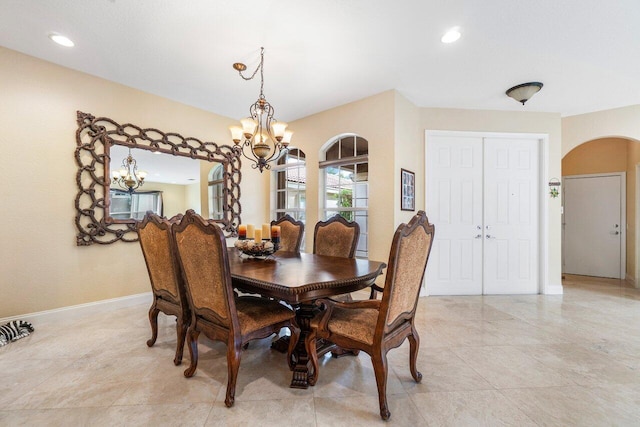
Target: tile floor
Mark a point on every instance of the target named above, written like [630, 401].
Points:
[496, 360]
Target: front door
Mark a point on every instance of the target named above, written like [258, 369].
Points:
[593, 225]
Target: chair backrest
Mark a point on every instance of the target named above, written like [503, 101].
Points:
[201, 251]
[336, 237]
[154, 234]
[407, 263]
[291, 232]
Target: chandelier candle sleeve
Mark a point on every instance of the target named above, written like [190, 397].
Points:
[250, 231]
[257, 236]
[242, 232]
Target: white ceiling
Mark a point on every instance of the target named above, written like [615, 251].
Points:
[326, 53]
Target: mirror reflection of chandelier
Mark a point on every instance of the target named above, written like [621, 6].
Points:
[128, 177]
[260, 134]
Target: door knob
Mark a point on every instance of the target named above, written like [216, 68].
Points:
[478, 236]
[615, 233]
[489, 236]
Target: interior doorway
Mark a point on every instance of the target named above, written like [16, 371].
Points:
[606, 156]
[593, 231]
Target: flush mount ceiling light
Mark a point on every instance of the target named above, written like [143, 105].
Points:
[523, 92]
[61, 40]
[451, 36]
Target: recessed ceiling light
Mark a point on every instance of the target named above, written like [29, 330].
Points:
[452, 35]
[61, 40]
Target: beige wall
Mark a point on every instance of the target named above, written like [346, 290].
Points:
[42, 268]
[619, 122]
[633, 159]
[516, 122]
[173, 197]
[409, 154]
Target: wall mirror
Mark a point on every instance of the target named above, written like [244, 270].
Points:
[183, 173]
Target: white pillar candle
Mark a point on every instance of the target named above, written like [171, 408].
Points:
[257, 236]
[266, 231]
[250, 230]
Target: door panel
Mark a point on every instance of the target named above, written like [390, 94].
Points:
[593, 226]
[511, 216]
[454, 206]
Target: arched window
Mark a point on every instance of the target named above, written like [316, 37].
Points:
[216, 192]
[290, 187]
[345, 182]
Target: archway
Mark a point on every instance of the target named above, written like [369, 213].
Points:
[611, 155]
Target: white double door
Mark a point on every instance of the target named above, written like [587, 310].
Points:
[482, 196]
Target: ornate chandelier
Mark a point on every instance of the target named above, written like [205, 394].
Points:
[260, 134]
[128, 177]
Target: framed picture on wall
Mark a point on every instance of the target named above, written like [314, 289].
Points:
[408, 190]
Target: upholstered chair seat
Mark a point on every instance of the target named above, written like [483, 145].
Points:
[255, 313]
[357, 324]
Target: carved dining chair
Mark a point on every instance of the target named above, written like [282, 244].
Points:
[169, 295]
[291, 232]
[377, 326]
[336, 237]
[215, 309]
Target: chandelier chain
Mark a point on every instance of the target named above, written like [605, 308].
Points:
[261, 69]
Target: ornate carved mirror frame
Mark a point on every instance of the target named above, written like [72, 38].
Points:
[94, 138]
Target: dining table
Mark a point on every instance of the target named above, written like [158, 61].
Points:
[299, 279]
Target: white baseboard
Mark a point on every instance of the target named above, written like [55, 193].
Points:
[553, 290]
[80, 310]
[631, 280]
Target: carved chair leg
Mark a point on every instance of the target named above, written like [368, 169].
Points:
[181, 329]
[234, 353]
[414, 345]
[380, 369]
[192, 341]
[153, 319]
[312, 353]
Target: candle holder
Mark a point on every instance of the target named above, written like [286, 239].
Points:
[256, 249]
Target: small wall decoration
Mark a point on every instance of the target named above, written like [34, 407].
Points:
[408, 190]
[554, 188]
